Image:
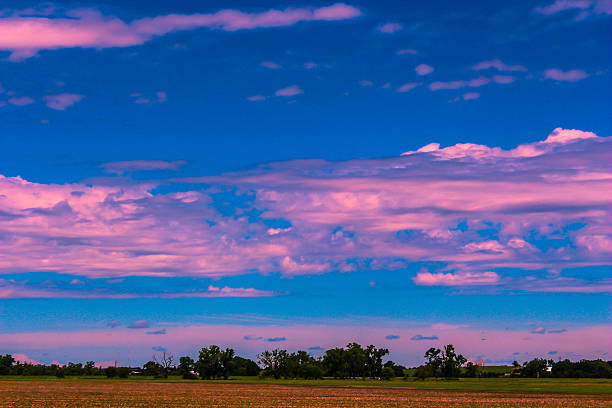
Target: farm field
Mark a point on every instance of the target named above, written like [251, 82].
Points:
[147, 393]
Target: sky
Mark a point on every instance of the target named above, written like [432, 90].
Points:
[301, 175]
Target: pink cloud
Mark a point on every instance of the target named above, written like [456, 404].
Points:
[476, 82]
[406, 51]
[504, 79]
[390, 28]
[566, 76]
[121, 167]
[310, 65]
[456, 279]
[563, 5]
[237, 292]
[291, 267]
[88, 28]
[500, 66]
[270, 64]
[108, 363]
[23, 359]
[407, 87]
[17, 290]
[392, 212]
[289, 91]
[256, 98]
[424, 69]
[62, 101]
[470, 95]
[365, 83]
[158, 97]
[21, 101]
[560, 135]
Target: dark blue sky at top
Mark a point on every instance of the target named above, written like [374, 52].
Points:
[208, 74]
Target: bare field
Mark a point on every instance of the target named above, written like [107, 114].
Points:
[62, 393]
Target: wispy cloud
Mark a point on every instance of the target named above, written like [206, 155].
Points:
[390, 28]
[25, 290]
[159, 332]
[113, 323]
[498, 65]
[121, 167]
[270, 65]
[140, 324]
[256, 98]
[276, 339]
[407, 87]
[406, 51]
[572, 75]
[470, 95]
[88, 28]
[563, 5]
[251, 337]
[456, 279]
[419, 337]
[424, 69]
[476, 82]
[392, 337]
[292, 90]
[21, 101]
[62, 101]
[158, 97]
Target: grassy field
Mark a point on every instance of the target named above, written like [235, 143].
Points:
[558, 385]
[142, 393]
[249, 392]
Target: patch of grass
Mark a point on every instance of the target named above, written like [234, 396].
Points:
[556, 385]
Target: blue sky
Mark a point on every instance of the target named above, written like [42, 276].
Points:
[433, 167]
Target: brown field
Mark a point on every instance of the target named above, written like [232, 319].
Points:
[61, 393]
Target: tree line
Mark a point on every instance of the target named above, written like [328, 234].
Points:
[352, 361]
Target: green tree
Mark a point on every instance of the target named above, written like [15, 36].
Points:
[423, 372]
[374, 357]
[213, 362]
[538, 367]
[451, 362]
[123, 372]
[387, 373]
[398, 370]
[6, 362]
[275, 363]
[186, 367]
[434, 360]
[244, 367]
[356, 360]
[151, 368]
[110, 372]
[334, 361]
[89, 367]
[444, 362]
[471, 370]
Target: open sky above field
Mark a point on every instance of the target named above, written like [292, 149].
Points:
[302, 174]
